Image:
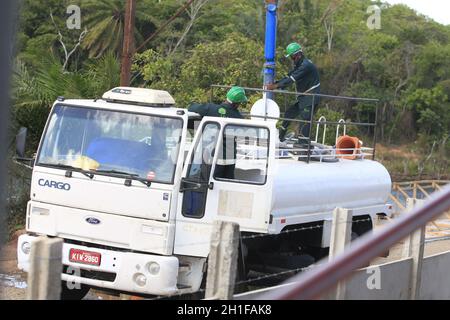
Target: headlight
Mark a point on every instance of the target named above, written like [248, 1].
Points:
[26, 248]
[159, 231]
[140, 279]
[40, 211]
[153, 268]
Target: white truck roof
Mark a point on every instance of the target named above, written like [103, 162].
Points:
[141, 96]
[135, 100]
[130, 107]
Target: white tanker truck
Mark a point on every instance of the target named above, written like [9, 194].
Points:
[135, 200]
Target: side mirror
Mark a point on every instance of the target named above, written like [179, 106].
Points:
[21, 141]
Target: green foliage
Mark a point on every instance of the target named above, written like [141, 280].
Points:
[35, 93]
[331, 115]
[105, 21]
[405, 64]
[432, 64]
[236, 60]
[17, 194]
[432, 108]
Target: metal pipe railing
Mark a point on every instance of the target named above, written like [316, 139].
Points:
[311, 121]
[299, 94]
[313, 284]
[362, 124]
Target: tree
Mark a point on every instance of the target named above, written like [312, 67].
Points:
[67, 53]
[431, 107]
[217, 41]
[234, 61]
[328, 21]
[193, 12]
[105, 22]
[34, 93]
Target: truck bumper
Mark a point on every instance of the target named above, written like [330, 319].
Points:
[122, 271]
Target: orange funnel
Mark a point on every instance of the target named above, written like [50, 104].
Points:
[349, 147]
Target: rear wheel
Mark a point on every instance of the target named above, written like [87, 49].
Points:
[73, 294]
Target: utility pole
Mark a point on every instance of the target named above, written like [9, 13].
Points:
[128, 43]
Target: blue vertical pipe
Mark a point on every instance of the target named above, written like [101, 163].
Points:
[271, 43]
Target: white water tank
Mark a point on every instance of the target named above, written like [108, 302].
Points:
[301, 188]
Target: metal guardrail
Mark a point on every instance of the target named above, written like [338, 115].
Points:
[401, 191]
[313, 284]
[415, 189]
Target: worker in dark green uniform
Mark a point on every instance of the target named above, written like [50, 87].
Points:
[226, 163]
[307, 80]
[228, 109]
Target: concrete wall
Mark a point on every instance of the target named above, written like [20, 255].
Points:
[393, 283]
[395, 278]
[435, 277]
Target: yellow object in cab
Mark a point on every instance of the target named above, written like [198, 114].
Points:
[85, 163]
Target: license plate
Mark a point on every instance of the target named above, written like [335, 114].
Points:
[85, 257]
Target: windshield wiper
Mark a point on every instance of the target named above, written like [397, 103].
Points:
[121, 173]
[71, 169]
[129, 176]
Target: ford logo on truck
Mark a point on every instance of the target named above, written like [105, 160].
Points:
[54, 184]
[92, 220]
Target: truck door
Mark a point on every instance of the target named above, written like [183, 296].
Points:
[226, 179]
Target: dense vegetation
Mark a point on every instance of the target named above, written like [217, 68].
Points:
[405, 64]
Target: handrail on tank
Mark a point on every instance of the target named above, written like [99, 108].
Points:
[311, 121]
[339, 126]
[323, 120]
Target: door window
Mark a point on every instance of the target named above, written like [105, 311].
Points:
[243, 155]
[199, 172]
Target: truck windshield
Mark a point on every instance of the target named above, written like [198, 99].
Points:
[105, 141]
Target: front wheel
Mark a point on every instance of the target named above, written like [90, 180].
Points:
[77, 293]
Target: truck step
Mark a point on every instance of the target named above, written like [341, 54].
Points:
[183, 287]
[184, 268]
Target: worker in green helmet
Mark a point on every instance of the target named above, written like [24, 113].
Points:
[226, 162]
[307, 80]
[228, 109]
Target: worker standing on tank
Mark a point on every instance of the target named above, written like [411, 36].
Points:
[307, 80]
[236, 97]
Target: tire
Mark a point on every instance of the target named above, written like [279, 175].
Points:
[317, 253]
[241, 277]
[73, 294]
[355, 237]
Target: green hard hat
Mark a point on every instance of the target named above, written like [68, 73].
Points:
[237, 95]
[293, 48]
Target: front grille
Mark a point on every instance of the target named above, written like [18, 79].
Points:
[95, 275]
[93, 245]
